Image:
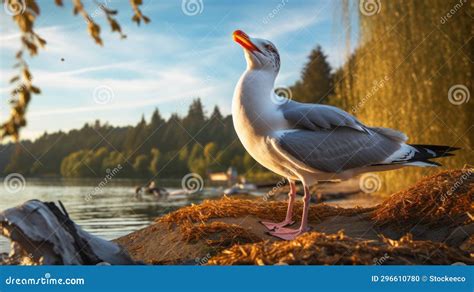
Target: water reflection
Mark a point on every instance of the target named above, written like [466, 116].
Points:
[110, 212]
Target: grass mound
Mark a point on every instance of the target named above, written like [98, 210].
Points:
[230, 207]
[445, 198]
[218, 234]
[320, 249]
[437, 212]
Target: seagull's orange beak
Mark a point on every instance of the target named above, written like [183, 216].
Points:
[243, 39]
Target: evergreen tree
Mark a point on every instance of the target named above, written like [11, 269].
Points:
[163, 147]
[136, 137]
[154, 132]
[315, 84]
[195, 121]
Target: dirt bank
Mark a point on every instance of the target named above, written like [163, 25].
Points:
[429, 223]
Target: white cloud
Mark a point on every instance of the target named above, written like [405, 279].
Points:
[11, 41]
[174, 84]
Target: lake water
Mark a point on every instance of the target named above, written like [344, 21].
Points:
[111, 212]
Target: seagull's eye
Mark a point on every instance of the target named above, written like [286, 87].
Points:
[270, 48]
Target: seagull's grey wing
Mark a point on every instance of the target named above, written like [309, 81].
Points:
[316, 116]
[334, 151]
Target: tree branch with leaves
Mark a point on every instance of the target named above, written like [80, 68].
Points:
[24, 14]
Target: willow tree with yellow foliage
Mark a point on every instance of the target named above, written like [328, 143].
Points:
[413, 71]
[25, 13]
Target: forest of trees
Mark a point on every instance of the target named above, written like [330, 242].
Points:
[162, 148]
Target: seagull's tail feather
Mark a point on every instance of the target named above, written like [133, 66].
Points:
[426, 152]
[438, 149]
[419, 155]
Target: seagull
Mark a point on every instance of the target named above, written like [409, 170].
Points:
[310, 142]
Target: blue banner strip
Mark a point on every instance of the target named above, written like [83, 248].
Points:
[239, 278]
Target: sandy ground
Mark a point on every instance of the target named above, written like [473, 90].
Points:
[157, 244]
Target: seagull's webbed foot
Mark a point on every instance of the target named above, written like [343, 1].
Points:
[273, 226]
[288, 233]
[289, 212]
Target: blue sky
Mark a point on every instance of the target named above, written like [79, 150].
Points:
[165, 64]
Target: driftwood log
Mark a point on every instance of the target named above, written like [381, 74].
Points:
[41, 233]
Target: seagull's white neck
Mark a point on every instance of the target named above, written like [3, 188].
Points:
[253, 107]
[255, 87]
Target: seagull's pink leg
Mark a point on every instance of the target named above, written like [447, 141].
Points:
[289, 212]
[289, 233]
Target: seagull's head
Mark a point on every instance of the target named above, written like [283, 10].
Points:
[259, 53]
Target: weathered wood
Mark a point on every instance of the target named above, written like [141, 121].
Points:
[41, 233]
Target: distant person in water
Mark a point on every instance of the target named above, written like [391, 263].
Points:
[152, 189]
[157, 191]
